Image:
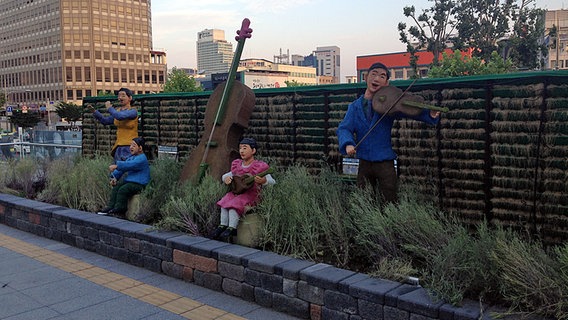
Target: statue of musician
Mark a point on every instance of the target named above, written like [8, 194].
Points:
[246, 178]
[376, 156]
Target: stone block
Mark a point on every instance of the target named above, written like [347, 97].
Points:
[338, 301]
[133, 208]
[369, 310]
[135, 258]
[290, 287]
[293, 306]
[291, 268]
[271, 282]
[232, 287]
[372, 289]
[211, 281]
[132, 244]
[247, 292]
[327, 313]
[392, 313]
[419, 302]
[252, 277]
[248, 230]
[310, 293]
[152, 264]
[391, 297]
[264, 261]
[231, 271]
[171, 269]
[263, 297]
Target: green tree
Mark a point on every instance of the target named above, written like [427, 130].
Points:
[179, 81]
[513, 27]
[431, 29]
[70, 112]
[527, 49]
[24, 120]
[481, 23]
[456, 65]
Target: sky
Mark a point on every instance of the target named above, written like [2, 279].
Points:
[357, 27]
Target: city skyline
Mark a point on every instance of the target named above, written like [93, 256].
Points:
[297, 26]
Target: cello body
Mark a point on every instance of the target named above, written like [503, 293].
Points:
[222, 149]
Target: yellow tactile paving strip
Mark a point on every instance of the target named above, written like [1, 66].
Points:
[164, 299]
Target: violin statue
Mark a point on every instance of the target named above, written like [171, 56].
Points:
[391, 100]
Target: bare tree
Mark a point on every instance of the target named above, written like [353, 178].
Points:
[431, 30]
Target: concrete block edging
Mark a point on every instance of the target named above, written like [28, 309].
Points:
[301, 288]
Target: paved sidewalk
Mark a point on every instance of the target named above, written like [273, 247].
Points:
[44, 279]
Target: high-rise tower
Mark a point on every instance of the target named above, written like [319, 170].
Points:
[214, 53]
[63, 50]
[328, 62]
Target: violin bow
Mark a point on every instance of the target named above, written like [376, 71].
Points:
[384, 114]
[244, 33]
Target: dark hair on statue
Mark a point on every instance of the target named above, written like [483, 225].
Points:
[378, 65]
[250, 141]
[140, 142]
[126, 90]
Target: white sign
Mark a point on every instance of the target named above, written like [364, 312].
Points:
[262, 81]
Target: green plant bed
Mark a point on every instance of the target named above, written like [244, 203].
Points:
[324, 217]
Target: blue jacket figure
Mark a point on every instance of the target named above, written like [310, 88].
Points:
[375, 153]
[137, 170]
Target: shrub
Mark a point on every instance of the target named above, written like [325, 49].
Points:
[78, 183]
[193, 209]
[164, 181]
[532, 280]
[305, 217]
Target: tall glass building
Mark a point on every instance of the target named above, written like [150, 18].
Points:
[214, 53]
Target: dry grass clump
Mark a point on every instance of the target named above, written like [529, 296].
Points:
[192, 208]
[78, 183]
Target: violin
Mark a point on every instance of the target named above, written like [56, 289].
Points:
[227, 115]
[240, 184]
[391, 100]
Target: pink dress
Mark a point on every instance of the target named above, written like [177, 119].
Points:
[250, 197]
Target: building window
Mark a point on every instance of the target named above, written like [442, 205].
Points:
[99, 74]
[88, 74]
[70, 95]
[78, 74]
[398, 74]
[69, 74]
[79, 93]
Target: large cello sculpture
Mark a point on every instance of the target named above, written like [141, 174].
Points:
[227, 115]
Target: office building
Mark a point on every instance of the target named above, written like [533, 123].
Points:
[214, 53]
[328, 62]
[558, 53]
[64, 50]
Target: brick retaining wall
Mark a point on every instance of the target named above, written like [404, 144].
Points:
[297, 287]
